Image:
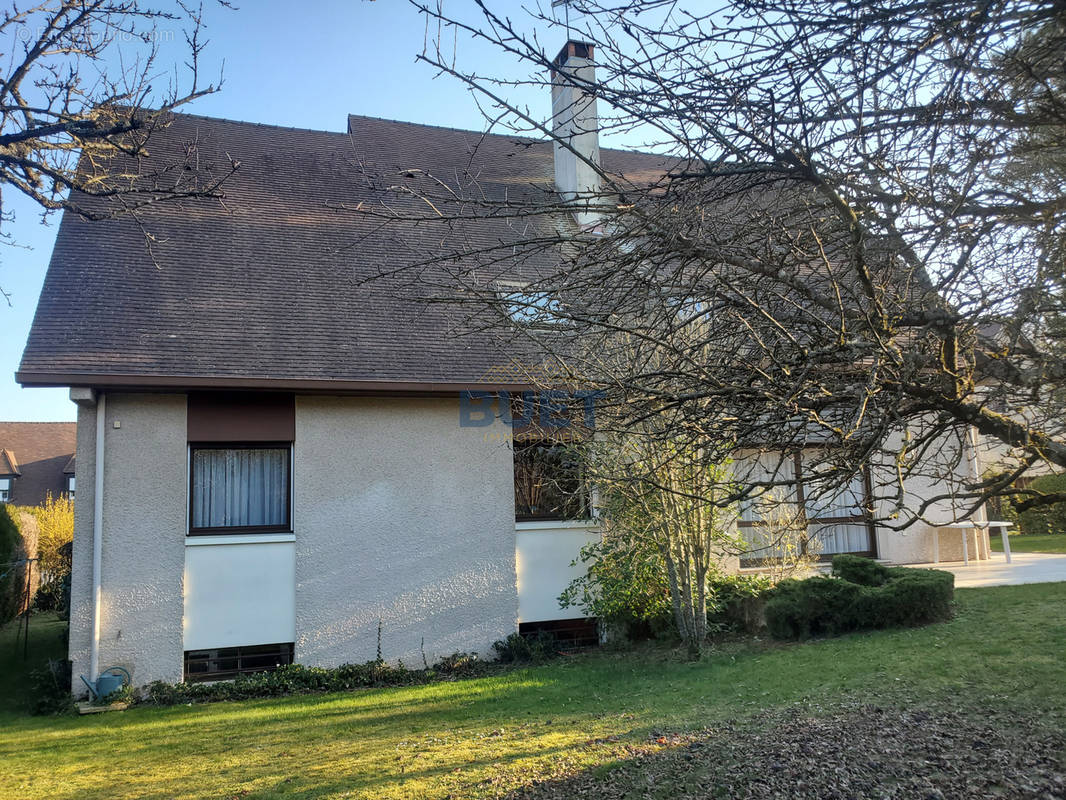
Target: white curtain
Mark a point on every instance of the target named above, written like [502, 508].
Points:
[240, 487]
[841, 537]
[833, 537]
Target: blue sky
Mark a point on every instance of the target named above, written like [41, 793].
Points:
[306, 66]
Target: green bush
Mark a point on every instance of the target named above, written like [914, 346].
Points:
[624, 585]
[9, 552]
[736, 602]
[50, 688]
[1048, 519]
[863, 571]
[817, 606]
[298, 679]
[828, 606]
[518, 649]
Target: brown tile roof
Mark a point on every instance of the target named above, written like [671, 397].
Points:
[267, 288]
[43, 450]
[9, 465]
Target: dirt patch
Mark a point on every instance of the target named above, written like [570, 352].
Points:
[860, 751]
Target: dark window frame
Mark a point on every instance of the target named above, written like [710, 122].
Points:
[241, 529]
[801, 501]
[584, 500]
[282, 651]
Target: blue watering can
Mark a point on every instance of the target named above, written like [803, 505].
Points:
[111, 680]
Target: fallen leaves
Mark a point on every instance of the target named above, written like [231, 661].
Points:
[844, 751]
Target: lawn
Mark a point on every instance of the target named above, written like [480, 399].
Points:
[1032, 543]
[45, 642]
[1004, 650]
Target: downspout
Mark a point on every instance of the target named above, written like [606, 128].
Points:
[98, 534]
[975, 468]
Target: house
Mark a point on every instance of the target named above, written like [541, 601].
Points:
[277, 459]
[36, 460]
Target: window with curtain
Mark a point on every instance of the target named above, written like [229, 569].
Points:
[837, 516]
[243, 488]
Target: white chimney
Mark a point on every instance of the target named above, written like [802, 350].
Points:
[575, 122]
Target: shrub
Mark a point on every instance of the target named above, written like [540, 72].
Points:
[736, 602]
[54, 533]
[517, 649]
[9, 552]
[1046, 519]
[624, 585]
[914, 597]
[863, 571]
[298, 679]
[826, 606]
[50, 688]
[816, 606]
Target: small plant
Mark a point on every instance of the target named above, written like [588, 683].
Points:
[518, 649]
[298, 679]
[50, 688]
[459, 665]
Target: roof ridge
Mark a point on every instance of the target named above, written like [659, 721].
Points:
[230, 120]
[626, 150]
[349, 116]
[450, 128]
[38, 422]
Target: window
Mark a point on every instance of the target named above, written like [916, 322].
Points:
[548, 484]
[5, 489]
[240, 488]
[530, 307]
[229, 662]
[70, 486]
[833, 519]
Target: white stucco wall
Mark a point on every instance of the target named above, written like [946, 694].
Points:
[400, 514]
[545, 553]
[143, 537]
[239, 590]
[946, 468]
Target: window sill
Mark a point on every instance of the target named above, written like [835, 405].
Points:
[554, 524]
[239, 538]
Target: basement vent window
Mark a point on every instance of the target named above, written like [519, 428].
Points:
[229, 662]
[567, 634]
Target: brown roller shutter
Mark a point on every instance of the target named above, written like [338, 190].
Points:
[241, 417]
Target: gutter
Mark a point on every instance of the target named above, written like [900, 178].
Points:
[98, 534]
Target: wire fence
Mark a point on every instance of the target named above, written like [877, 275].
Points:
[23, 600]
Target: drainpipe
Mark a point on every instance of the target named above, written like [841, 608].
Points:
[975, 468]
[98, 534]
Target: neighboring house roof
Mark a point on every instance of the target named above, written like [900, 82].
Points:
[267, 288]
[43, 450]
[69, 468]
[9, 465]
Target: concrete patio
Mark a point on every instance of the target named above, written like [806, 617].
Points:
[1024, 568]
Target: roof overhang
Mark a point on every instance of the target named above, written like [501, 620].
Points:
[155, 383]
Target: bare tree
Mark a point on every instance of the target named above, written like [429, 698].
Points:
[82, 95]
[838, 249]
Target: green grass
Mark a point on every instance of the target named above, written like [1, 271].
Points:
[1032, 543]
[46, 640]
[475, 738]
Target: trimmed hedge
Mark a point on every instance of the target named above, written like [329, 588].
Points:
[863, 571]
[859, 596]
